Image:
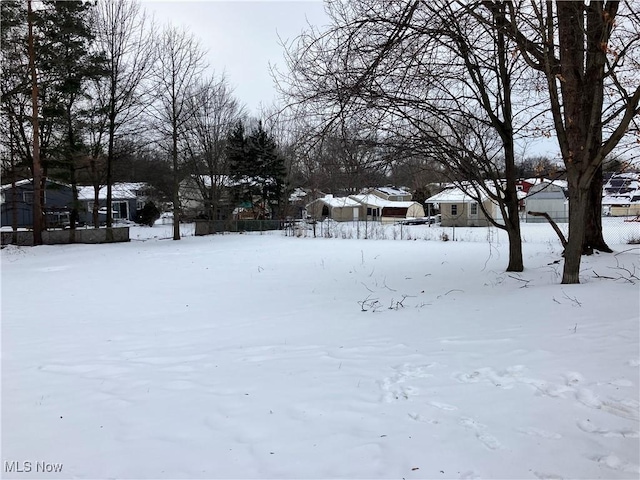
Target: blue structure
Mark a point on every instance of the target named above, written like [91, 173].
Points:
[58, 199]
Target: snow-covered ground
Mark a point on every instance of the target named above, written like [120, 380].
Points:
[266, 356]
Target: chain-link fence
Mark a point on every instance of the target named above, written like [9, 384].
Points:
[616, 230]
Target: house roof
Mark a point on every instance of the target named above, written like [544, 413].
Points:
[373, 200]
[455, 194]
[550, 189]
[28, 181]
[392, 191]
[119, 191]
[338, 201]
[626, 199]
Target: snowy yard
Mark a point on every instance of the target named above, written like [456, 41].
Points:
[265, 356]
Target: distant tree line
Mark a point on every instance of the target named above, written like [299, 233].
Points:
[94, 93]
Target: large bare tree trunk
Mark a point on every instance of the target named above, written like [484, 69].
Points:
[577, 221]
[594, 239]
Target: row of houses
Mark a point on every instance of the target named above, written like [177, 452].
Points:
[456, 207]
[621, 197]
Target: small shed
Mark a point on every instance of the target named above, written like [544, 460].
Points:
[549, 197]
[340, 209]
[386, 211]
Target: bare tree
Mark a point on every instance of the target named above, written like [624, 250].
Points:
[214, 113]
[440, 82]
[126, 37]
[178, 68]
[587, 52]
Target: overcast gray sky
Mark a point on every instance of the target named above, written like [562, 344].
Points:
[242, 37]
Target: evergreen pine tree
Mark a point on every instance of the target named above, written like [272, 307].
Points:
[239, 165]
[66, 57]
[269, 168]
[257, 169]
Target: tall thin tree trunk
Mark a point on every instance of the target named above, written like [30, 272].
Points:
[37, 167]
[14, 195]
[96, 205]
[176, 184]
[512, 222]
[110, 149]
[72, 172]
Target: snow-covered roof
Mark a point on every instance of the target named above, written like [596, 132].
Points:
[616, 200]
[538, 180]
[376, 201]
[561, 186]
[298, 194]
[392, 191]
[338, 201]
[454, 195]
[27, 181]
[119, 191]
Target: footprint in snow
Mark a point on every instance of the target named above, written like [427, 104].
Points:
[573, 378]
[538, 432]
[615, 463]
[547, 476]
[629, 408]
[470, 475]
[418, 418]
[588, 427]
[621, 382]
[394, 386]
[442, 406]
[479, 430]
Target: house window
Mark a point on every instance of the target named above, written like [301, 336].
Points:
[27, 197]
[474, 209]
[454, 209]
